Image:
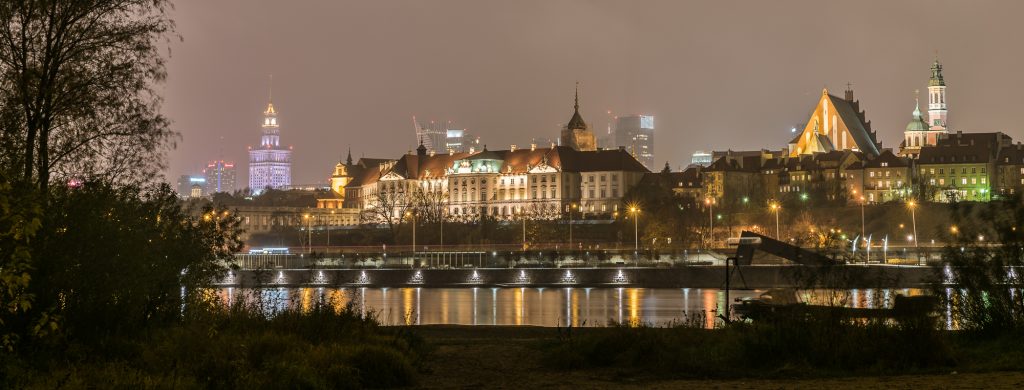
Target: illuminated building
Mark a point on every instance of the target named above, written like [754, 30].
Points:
[919, 133]
[636, 134]
[836, 124]
[576, 134]
[220, 177]
[270, 165]
[191, 186]
[433, 135]
[700, 158]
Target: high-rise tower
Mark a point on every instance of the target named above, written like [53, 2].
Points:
[636, 134]
[270, 165]
[937, 98]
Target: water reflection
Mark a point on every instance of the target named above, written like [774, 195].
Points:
[538, 306]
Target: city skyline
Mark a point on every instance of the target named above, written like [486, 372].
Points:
[696, 90]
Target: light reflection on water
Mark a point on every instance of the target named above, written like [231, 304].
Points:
[539, 306]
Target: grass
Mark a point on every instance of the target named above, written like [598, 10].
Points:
[782, 348]
[239, 347]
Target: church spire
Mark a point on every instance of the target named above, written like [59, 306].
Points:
[270, 98]
[577, 123]
[348, 160]
[576, 106]
[936, 80]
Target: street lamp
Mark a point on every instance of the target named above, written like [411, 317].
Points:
[775, 209]
[309, 234]
[413, 215]
[636, 231]
[572, 206]
[522, 214]
[911, 204]
[710, 202]
[862, 217]
[329, 222]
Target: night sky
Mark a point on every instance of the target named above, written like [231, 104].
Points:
[716, 74]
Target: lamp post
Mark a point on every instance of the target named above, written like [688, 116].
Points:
[913, 220]
[330, 221]
[862, 230]
[775, 208]
[522, 214]
[309, 234]
[443, 209]
[710, 202]
[636, 230]
[572, 206]
[413, 215]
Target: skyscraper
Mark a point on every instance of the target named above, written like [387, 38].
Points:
[220, 177]
[270, 165]
[191, 186]
[636, 134]
[433, 135]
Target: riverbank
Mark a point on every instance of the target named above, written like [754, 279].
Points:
[743, 277]
[513, 357]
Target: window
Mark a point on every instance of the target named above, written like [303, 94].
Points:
[974, 170]
[615, 177]
[982, 169]
[963, 181]
[615, 192]
[963, 170]
[942, 182]
[983, 180]
[604, 193]
[591, 192]
[590, 178]
[604, 178]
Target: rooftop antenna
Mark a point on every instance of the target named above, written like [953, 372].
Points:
[270, 94]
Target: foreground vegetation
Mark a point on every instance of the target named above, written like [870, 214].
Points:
[236, 347]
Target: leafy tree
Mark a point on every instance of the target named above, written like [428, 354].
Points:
[19, 223]
[77, 89]
[122, 258]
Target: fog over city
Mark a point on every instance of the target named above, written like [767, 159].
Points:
[715, 74]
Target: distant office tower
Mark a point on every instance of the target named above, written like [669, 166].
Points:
[701, 158]
[461, 140]
[220, 177]
[191, 186]
[636, 134]
[270, 165]
[433, 135]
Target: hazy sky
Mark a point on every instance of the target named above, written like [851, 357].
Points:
[716, 74]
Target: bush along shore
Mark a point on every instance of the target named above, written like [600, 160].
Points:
[232, 346]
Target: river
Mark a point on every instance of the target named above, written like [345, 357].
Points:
[541, 306]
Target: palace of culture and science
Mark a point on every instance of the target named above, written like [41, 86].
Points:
[270, 165]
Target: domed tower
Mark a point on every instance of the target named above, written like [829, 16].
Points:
[577, 134]
[916, 134]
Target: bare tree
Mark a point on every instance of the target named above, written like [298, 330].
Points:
[77, 88]
[387, 209]
[431, 206]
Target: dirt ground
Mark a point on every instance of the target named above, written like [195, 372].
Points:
[509, 358]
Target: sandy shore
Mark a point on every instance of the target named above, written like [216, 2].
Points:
[509, 357]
